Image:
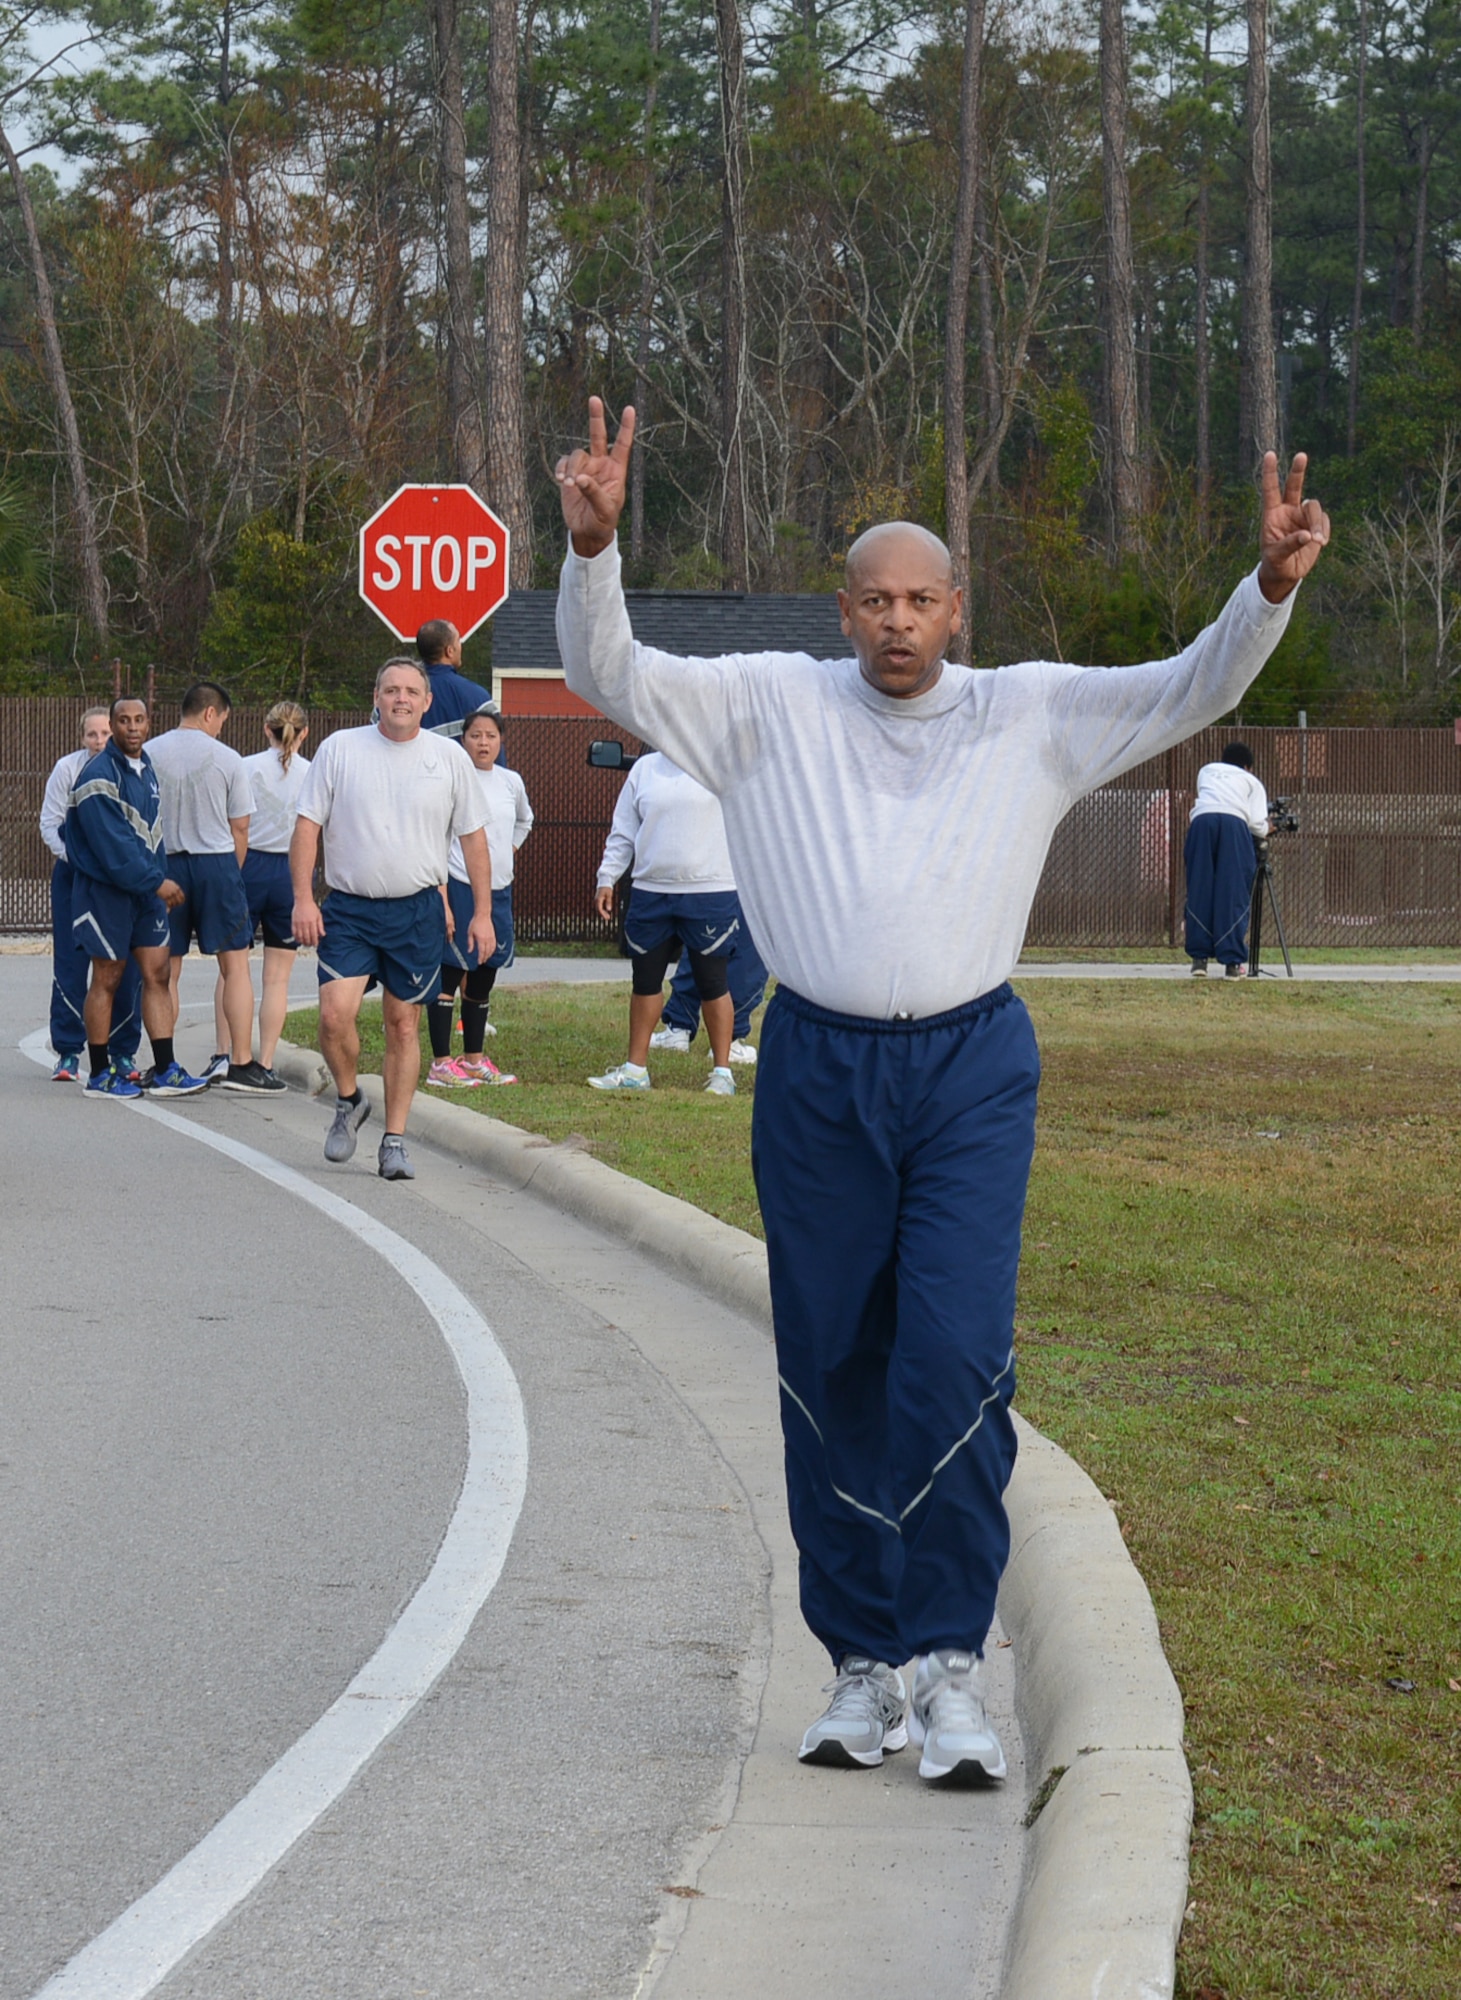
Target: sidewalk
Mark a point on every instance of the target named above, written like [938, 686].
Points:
[1103, 1885]
[584, 971]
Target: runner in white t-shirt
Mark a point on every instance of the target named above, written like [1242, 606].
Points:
[276, 777]
[388, 800]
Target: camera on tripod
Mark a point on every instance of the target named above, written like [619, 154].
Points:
[1281, 816]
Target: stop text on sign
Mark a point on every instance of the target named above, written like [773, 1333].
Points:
[445, 564]
[434, 552]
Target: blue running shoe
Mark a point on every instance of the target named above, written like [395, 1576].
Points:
[110, 1082]
[67, 1070]
[174, 1081]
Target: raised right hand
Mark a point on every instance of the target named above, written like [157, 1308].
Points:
[592, 484]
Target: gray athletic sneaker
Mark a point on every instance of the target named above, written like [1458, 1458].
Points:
[864, 1718]
[394, 1160]
[947, 1717]
[340, 1139]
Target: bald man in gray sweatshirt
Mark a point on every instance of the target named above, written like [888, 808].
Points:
[888, 817]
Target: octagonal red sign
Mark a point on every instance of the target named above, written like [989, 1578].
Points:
[433, 552]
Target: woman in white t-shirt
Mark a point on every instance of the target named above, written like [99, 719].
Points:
[276, 777]
[1229, 815]
[509, 821]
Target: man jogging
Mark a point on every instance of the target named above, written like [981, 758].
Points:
[389, 799]
[888, 818]
[70, 966]
[207, 801]
[120, 898]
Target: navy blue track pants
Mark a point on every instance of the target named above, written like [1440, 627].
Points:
[70, 975]
[1220, 862]
[891, 1162]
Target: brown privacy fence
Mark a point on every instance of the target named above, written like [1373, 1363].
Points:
[1375, 860]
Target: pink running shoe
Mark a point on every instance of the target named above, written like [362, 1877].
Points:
[450, 1075]
[482, 1069]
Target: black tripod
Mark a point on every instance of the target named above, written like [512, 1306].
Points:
[1264, 879]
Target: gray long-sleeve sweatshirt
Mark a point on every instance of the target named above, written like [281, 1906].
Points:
[887, 851]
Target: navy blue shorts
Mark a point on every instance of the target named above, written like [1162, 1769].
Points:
[214, 909]
[399, 940]
[707, 925]
[461, 909]
[269, 891]
[109, 923]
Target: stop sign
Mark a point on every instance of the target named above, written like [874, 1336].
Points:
[433, 552]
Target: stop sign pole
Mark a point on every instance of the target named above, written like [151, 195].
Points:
[434, 552]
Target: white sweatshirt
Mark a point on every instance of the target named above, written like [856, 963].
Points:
[672, 831]
[58, 798]
[1228, 788]
[504, 799]
[887, 852]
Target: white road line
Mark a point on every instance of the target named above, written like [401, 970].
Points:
[134, 1954]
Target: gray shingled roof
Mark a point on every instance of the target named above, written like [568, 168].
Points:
[703, 622]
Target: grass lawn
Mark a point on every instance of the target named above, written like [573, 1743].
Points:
[1241, 1311]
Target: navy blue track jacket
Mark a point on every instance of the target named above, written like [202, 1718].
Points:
[113, 831]
[453, 699]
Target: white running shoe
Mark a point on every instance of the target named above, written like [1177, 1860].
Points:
[743, 1052]
[947, 1717]
[627, 1076]
[865, 1716]
[677, 1040]
[721, 1083]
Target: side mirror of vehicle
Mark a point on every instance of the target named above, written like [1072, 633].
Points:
[608, 756]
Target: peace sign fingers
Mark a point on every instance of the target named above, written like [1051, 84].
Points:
[593, 484]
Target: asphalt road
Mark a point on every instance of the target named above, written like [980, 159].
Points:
[231, 1441]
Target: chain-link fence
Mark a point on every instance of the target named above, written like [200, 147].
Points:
[554, 895]
[1375, 859]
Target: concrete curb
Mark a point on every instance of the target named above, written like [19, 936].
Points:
[1105, 1881]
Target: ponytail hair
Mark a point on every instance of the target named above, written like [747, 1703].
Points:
[286, 722]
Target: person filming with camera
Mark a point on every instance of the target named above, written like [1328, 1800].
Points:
[1220, 859]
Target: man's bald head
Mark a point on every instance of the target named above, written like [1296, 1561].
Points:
[886, 540]
[900, 607]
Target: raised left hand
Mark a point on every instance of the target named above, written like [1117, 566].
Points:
[1292, 532]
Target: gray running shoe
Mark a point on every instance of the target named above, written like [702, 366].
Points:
[394, 1160]
[947, 1717]
[215, 1069]
[864, 1718]
[254, 1077]
[340, 1139]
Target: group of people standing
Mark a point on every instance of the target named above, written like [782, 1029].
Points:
[155, 847]
[160, 842]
